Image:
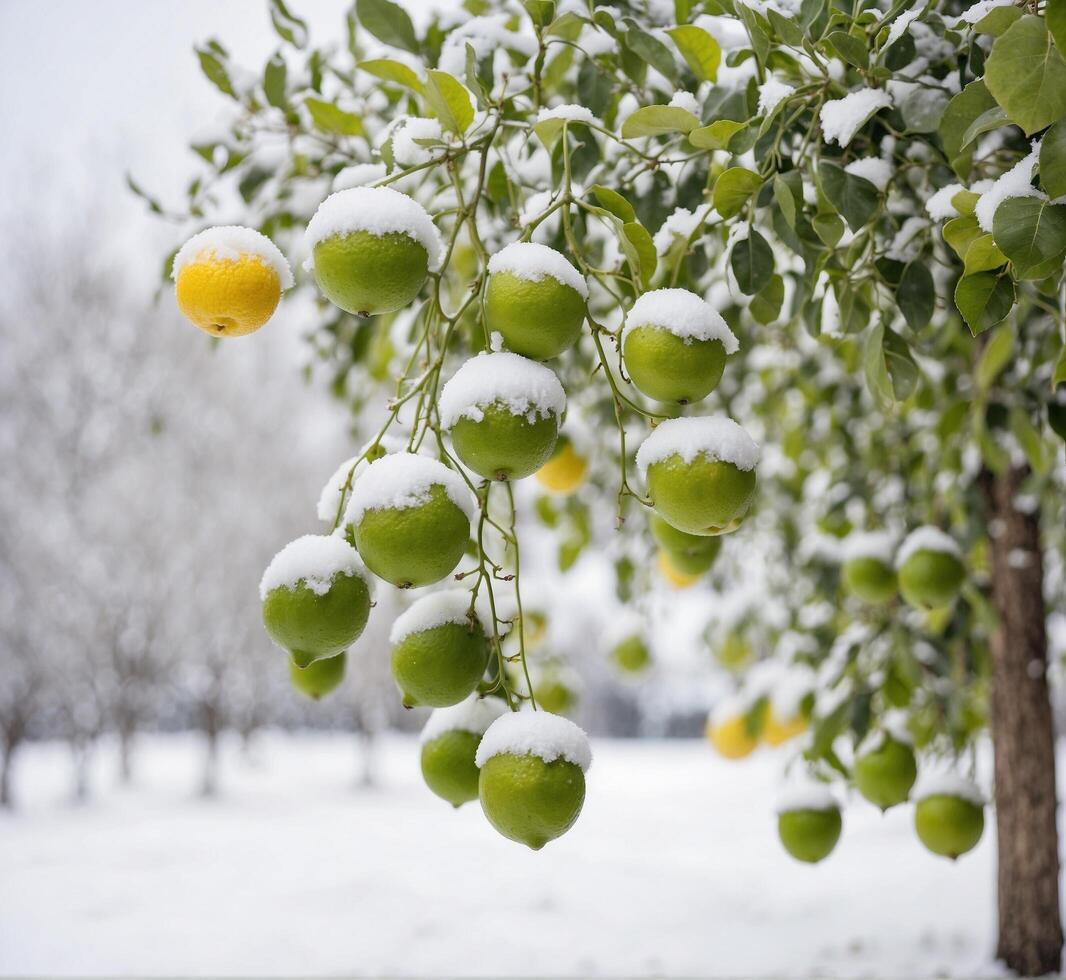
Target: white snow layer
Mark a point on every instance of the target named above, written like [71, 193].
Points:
[879, 545]
[972, 14]
[687, 101]
[435, 609]
[329, 500]
[877, 171]
[402, 480]
[772, 93]
[715, 436]
[682, 313]
[522, 386]
[314, 559]
[538, 733]
[405, 148]
[939, 206]
[842, 118]
[358, 175]
[682, 223]
[927, 538]
[806, 795]
[379, 211]
[228, 243]
[473, 715]
[948, 784]
[1016, 182]
[569, 112]
[531, 261]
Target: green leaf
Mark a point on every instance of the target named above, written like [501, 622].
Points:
[651, 50]
[983, 256]
[1058, 377]
[637, 236]
[850, 49]
[1027, 75]
[997, 20]
[393, 71]
[288, 26]
[541, 12]
[330, 119]
[829, 228]
[854, 198]
[984, 299]
[699, 49]
[450, 101]
[274, 78]
[916, 294]
[1053, 160]
[765, 306]
[1030, 440]
[656, 120]
[900, 365]
[990, 119]
[961, 232]
[613, 202]
[785, 28]
[716, 136]
[787, 201]
[1055, 15]
[1032, 233]
[388, 22]
[873, 363]
[960, 113]
[211, 64]
[1056, 418]
[995, 357]
[923, 109]
[752, 262]
[732, 190]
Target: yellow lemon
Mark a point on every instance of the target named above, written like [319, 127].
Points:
[777, 732]
[228, 280]
[677, 578]
[731, 737]
[565, 471]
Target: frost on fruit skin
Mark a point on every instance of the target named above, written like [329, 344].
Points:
[402, 480]
[539, 733]
[805, 795]
[570, 112]
[717, 437]
[879, 545]
[358, 175]
[927, 538]
[948, 784]
[524, 387]
[378, 211]
[531, 261]
[474, 715]
[682, 313]
[228, 243]
[842, 118]
[314, 559]
[436, 609]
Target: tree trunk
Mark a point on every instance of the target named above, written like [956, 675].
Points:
[368, 746]
[1023, 737]
[209, 780]
[125, 756]
[7, 762]
[81, 751]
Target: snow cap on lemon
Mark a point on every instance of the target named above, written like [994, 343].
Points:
[402, 480]
[329, 500]
[524, 387]
[805, 795]
[682, 313]
[927, 538]
[230, 243]
[358, 175]
[474, 715]
[878, 545]
[716, 437]
[435, 609]
[538, 733]
[532, 261]
[314, 560]
[948, 784]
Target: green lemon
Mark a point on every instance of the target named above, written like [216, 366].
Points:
[536, 319]
[948, 825]
[413, 546]
[931, 579]
[705, 497]
[316, 627]
[809, 835]
[681, 545]
[733, 652]
[529, 800]
[631, 655]
[365, 274]
[870, 579]
[440, 666]
[554, 695]
[316, 680]
[669, 368]
[504, 446]
[885, 776]
[448, 766]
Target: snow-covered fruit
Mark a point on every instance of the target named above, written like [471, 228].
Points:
[316, 597]
[439, 650]
[535, 300]
[372, 248]
[565, 470]
[731, 730]
[885, 770]
[409, 516]
[228, 280]
[868, 571]
[532, 782]
[949, 815]
[930, 569]
[700, 473]
[675, 345]
[504, 412]
[809, 822]
[449, 742]
[777, 730]
[631, 655]
[318, 679]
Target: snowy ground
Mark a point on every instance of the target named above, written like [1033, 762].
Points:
[673, 869]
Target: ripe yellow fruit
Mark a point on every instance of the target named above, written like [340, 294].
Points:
[228, 280]
[776, 731]
[731, 737]
[565, 471]
[677, 578]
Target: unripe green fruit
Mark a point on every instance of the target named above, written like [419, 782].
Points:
[554, 696]
[440, 666]
[320, 678]
[315, 627]
[885, 776]
[529, 800]
[536, 319]
[631, 655]
[704, 497]
[671, 368]
[682, 546]
[809, 835]
[448, 766]
[931, 579]
[871, 580]
[365, 274]
[413, 546]
[948, 825]
[734, 652]
[503, 446]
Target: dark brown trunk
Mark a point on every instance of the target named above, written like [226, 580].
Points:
[7, 759]
[1030, 926]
